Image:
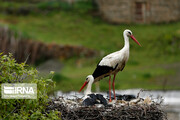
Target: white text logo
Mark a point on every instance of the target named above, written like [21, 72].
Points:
[19, 91]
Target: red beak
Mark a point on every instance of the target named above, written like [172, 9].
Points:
[85, 83]
[135, 40]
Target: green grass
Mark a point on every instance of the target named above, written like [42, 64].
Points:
[160, 46]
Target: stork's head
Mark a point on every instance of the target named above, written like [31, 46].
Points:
[129, 34]
[89, 79]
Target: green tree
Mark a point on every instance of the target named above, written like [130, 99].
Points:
[12, 72]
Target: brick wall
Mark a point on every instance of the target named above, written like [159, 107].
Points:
[165, 10]
[139, 11]
[115, 11]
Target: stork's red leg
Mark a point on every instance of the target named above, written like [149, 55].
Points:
[109, 88]
[114, 86]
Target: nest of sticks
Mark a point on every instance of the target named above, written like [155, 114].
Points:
[120, 110]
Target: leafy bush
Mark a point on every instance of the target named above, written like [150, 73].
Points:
[12, 72]
[54, 5]
[44, 7]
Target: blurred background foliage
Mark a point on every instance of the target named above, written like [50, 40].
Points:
[155, 65]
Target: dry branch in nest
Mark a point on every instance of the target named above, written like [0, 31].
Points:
[73, 110]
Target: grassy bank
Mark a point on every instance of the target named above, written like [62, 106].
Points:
[160, 46]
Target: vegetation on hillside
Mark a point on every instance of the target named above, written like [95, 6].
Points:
[160, 46]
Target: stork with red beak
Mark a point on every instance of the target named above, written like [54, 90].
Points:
[113, 63]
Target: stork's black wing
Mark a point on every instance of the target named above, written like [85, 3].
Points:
[101, 70]
[102, 99]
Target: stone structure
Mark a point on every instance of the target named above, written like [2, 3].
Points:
[139, 11]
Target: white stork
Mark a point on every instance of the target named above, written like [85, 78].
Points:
[89, 81]
[89, 98]
[113, 63]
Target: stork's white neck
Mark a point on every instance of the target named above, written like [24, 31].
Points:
[88, 89]
[126, 41]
